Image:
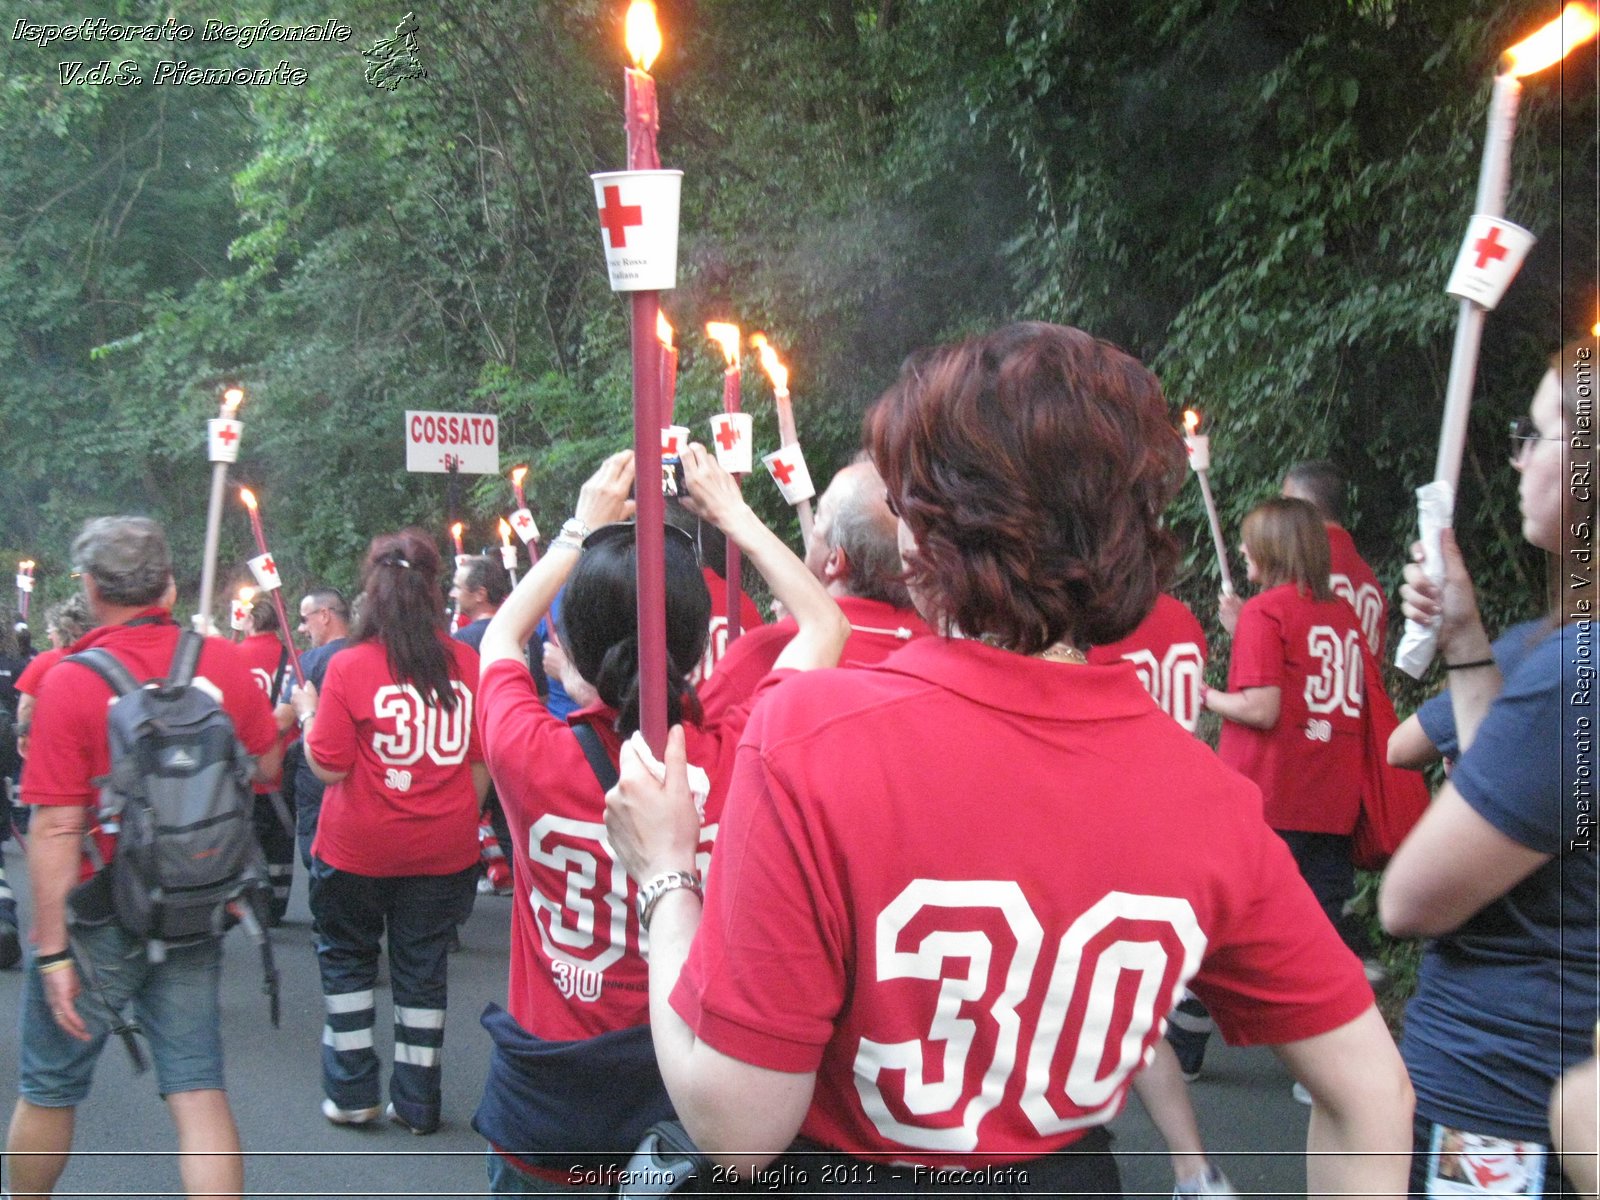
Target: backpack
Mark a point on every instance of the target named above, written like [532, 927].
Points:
[179, 798]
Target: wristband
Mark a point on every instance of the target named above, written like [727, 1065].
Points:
[47, 960]
[565, 543]
[668, 881]
[1469, 666]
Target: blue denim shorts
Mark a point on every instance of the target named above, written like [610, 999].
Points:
[175, 1003]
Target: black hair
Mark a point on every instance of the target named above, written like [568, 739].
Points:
[599, 624]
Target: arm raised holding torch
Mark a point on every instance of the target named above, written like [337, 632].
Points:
[1489, 258]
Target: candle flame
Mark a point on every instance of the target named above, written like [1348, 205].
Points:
[246, 594]
[1549, 45]
[664, 330]
[505, 532]
[726, 336]
[770, 363]
[231, 399]
[25, 565]
[1191, 421]
[248, 497]
[455, 531]
[641, 34]
[518, 474]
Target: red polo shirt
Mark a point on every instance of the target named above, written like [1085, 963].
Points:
[1168, 649]
[1309, 766]
[70, 748]
[1353, 581]
[407, 805]
[966, 888]
[877, 630]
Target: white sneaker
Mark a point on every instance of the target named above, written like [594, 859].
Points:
[1302, 1095]
[349, 1116]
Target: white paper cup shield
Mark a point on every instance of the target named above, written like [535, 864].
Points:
[788, 469]
[674, 440]
[639, 228]
[1489, 259]
[731, 434]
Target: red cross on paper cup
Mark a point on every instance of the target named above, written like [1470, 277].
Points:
[788, 468]
[731, 435]
[1489, 259]
[238, 614]
[522, 522]
[223, 440]
[674, 440]
[266, 572]
[638, 213]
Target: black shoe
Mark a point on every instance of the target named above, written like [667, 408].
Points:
[10, 947]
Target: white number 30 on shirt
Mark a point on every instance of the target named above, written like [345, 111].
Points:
[1085, 977]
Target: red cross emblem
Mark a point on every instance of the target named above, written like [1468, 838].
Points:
[728, 436]
[227, 435]
[616, 217]
[781, 471]
[1489, 248]
[521, 520]
[268, 566]
[669, 444]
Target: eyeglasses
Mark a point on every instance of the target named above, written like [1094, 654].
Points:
[1523, 434]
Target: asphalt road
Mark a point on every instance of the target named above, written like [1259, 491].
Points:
[125, 1144]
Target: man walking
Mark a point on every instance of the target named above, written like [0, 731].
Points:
[126, 570]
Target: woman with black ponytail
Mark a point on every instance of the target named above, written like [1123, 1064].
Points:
[396, 851]
[572, 1076]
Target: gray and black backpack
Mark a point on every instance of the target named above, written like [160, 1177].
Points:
[179, 799]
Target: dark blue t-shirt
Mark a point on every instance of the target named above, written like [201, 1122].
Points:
[1437, 716]
[558, 702]
[1508, 1001]
[472, 632]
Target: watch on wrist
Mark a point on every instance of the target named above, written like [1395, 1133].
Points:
[574, 529]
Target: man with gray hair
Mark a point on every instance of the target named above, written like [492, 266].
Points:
[127, 580]
[855, 551]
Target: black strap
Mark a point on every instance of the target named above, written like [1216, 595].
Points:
[106, 665]
[185, 659]
[599, 761]
[277, 678]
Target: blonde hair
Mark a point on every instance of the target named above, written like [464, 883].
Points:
[1289, 544]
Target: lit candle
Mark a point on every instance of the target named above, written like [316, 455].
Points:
[24, 586]
[669, 367]
[518, 474]
[726, 336]
[455, 536]
[508, 552]
[1436, 500]
[1199, 447]
[275, 591]
[779, 375]
[643, 39]
[223, 448]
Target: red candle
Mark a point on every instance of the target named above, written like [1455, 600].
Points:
[642, 121]
[518, 474]
[669, 368]
[284, 635]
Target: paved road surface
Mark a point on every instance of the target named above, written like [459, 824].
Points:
[125, 1145]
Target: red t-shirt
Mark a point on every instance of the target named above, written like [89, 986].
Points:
[1309, 765]
[28, 682]
[966, 888]
[262, 652]
[70, 749]
[1168, 649]
[877, 630]
[717, 643]
[576, 965]
[407, 805]
[1353, 581]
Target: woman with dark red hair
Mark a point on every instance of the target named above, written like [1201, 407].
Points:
[396, 852]
[946, 919]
